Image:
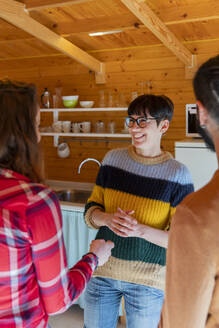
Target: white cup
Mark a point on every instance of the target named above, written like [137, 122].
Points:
[66, 126]
[85, 127]
[111, 127]
[63, 150]
[100, 127]
[76, 127]
[57, 126]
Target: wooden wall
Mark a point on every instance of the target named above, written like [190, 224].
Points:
[126, 68]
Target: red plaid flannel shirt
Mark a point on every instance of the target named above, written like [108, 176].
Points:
[34, 279]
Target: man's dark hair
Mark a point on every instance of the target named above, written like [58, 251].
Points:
[206, 86]
[160, 107]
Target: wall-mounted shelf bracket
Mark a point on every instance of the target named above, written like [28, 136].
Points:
[55, 141]
[55, 116]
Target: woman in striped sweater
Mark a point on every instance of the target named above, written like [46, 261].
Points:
[135, 196]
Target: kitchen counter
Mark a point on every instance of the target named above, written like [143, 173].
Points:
[57, 185]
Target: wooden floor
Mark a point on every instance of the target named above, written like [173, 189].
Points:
[73, 318]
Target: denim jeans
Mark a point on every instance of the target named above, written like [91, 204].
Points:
[102, 299]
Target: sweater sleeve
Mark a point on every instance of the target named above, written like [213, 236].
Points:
[190, 275]
[183, 187]
[59, 287]
[96, 200]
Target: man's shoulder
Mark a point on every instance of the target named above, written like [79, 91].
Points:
[205, 199]
[197, 217]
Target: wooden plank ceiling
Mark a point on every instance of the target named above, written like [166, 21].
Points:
[186, 20]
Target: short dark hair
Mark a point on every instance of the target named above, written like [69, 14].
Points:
[160, 107]
[206, 86]
[19, 150]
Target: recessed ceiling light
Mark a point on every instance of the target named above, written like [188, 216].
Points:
[104, 33]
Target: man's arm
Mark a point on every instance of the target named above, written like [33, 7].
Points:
[190, 273]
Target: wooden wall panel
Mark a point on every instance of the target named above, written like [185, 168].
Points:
[126, 69]
[67, 169]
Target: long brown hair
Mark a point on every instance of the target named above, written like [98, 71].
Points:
[19, 150]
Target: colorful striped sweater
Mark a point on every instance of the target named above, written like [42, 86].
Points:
[152, 187]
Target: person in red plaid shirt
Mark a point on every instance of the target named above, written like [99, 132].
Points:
[34, 279]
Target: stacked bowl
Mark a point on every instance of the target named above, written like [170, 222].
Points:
[70, 101]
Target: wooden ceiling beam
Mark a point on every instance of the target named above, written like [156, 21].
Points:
[43, 4]
[116, 23]
[192, 20]
[185, 14]
[186, 11]
[15, 13]
[141, 10]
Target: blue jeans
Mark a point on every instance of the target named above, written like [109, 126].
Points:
[102, 299]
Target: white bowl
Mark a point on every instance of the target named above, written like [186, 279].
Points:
[70, 97]
[86, 104]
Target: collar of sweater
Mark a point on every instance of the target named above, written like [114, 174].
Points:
[163, 157]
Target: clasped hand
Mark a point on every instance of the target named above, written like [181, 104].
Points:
[122, 223]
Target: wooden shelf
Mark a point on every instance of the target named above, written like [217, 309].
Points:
[103, 135]
[104, 109]
[56, 112]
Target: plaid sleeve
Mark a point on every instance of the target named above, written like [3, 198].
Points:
[59, 287]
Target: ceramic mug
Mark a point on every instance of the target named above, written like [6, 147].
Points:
[63, 150]
[85, 127]
[57, 126]
[66, 126]
[76, 127]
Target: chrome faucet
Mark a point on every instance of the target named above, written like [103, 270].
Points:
[87, 160]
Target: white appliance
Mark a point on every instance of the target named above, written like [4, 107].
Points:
[201, 162]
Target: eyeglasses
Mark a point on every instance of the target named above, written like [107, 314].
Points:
[141, 121]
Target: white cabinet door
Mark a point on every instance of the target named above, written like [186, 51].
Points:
[201, 162]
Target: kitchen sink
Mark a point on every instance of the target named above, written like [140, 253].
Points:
[74, 196]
